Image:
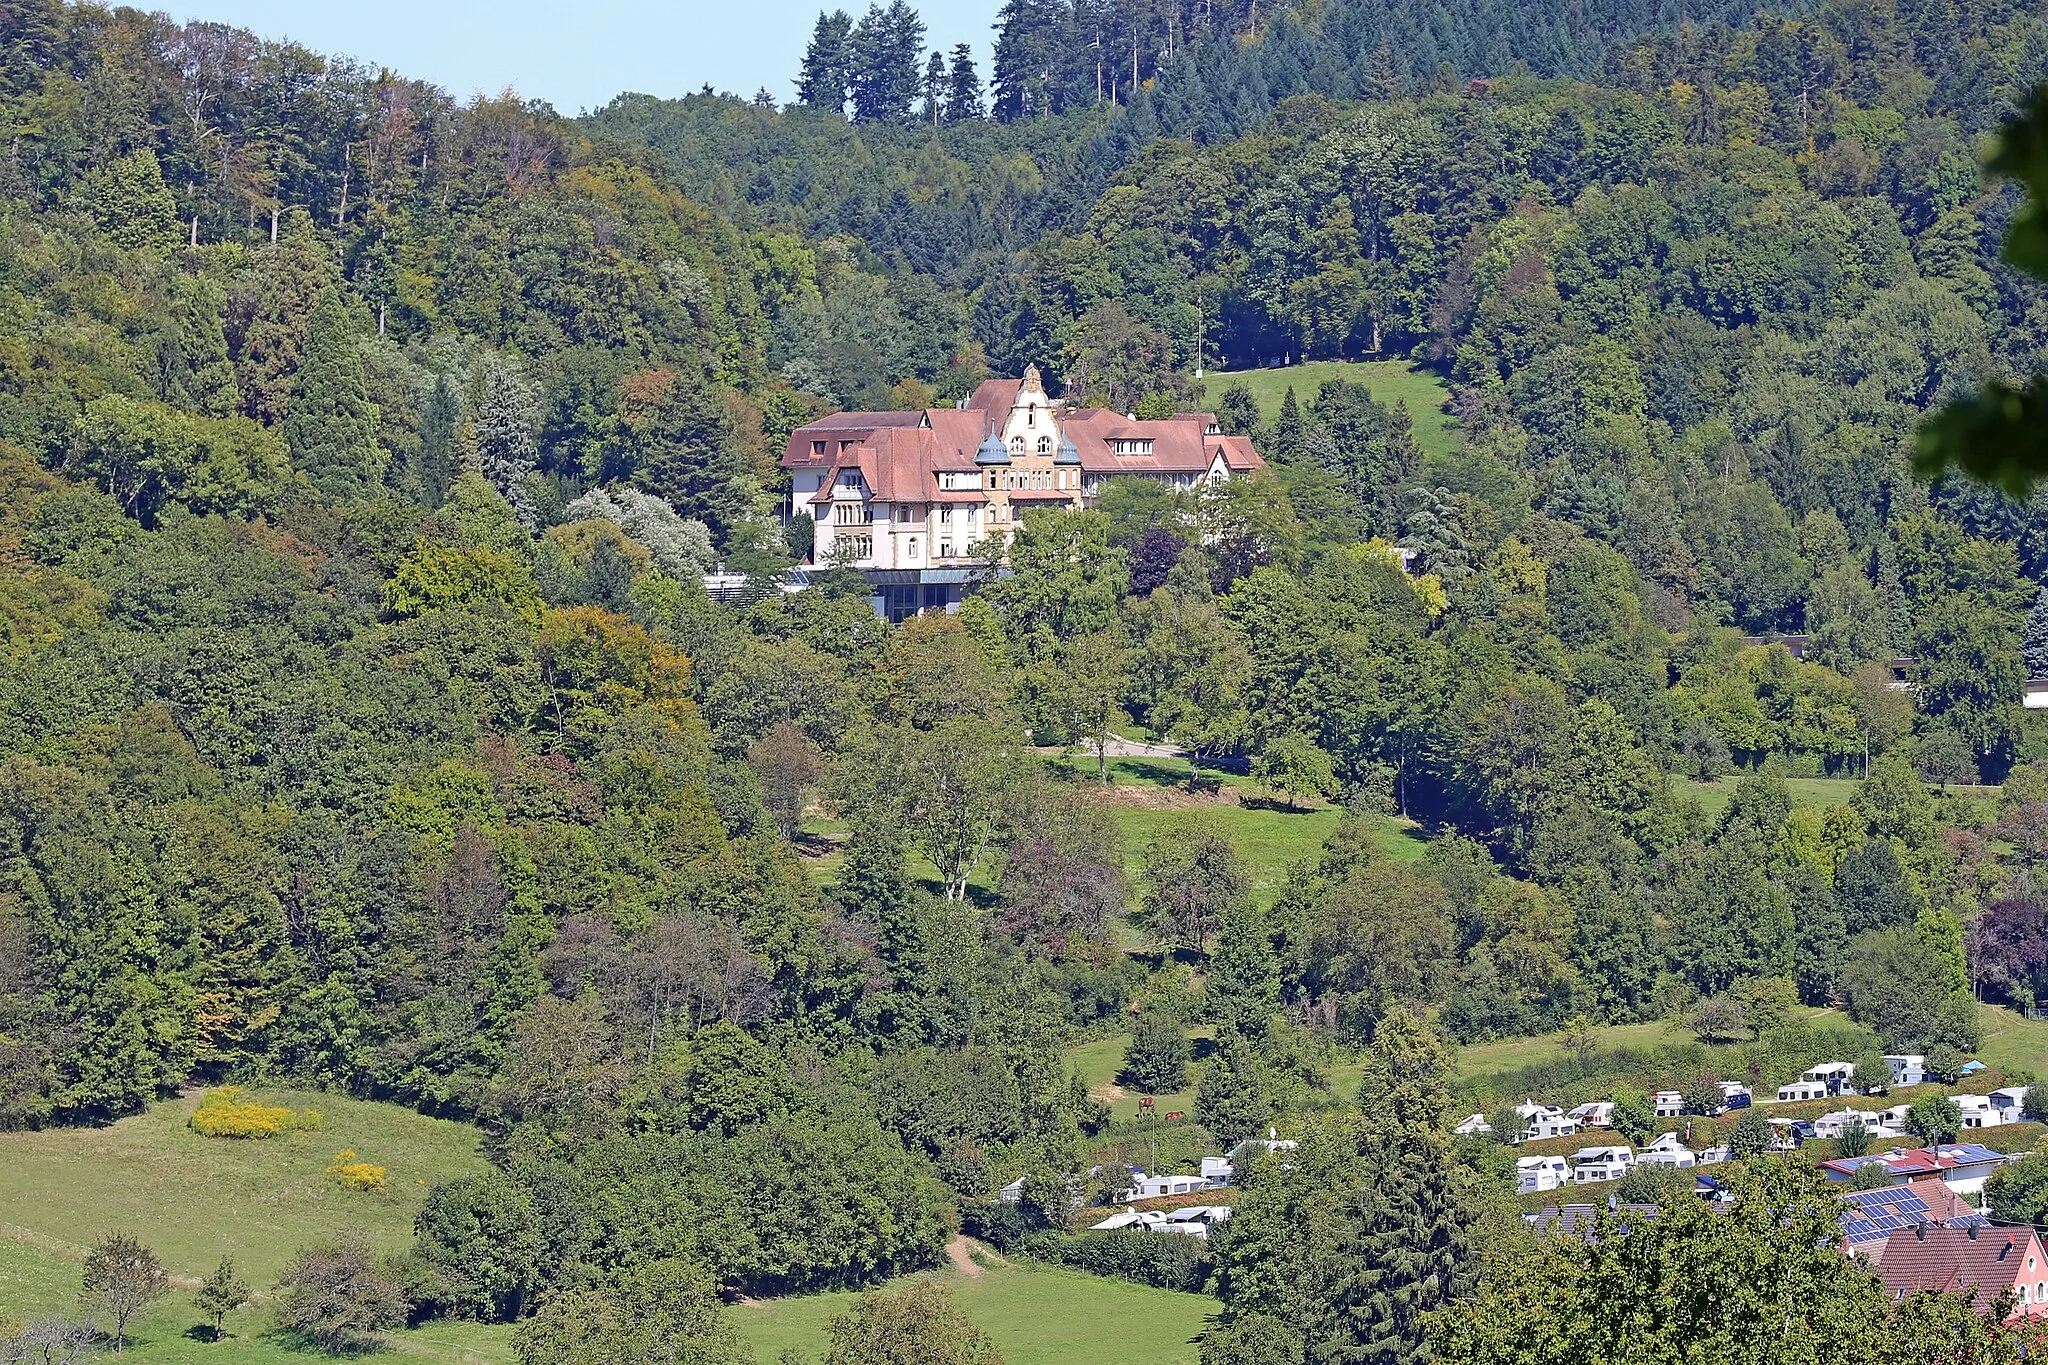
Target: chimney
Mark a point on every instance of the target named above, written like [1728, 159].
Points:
[1920, 1231]
[1973, 1232]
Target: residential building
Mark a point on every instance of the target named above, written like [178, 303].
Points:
[1979, 1263]
[904, 497]
[1908, 1068]
[1592, 1165]
[1870, 1217]
[1963, 1166]
[1534, 1174]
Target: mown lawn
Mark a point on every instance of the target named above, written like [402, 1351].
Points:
[195, 1198]
[1099, 1060]
[1036, 1315]
[2013, 1042]
[1423, 392]
[1813, 792]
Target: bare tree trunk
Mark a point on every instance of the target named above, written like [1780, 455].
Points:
[273, 225]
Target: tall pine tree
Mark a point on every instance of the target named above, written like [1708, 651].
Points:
[883, 70]
[507, 413]
[2034, 644]
[963, 87]
[331, 425]
[821, 84]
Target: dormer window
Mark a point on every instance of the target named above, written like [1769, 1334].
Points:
[1131, 446]
[817, 447]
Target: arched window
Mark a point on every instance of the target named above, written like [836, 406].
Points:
[1045, 445]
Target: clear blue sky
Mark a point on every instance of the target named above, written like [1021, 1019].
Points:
[577, 54]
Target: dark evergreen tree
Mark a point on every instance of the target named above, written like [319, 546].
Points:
[330, 424]
[2034, 643]
[935, 88]
[436, 461]
[688, 458]
[882, 66]
[963, 86]
[1290, 428]
[1243, 990]
[1399, 463]
[1231, 1099]
[822, 83]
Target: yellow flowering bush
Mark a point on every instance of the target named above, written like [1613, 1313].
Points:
[355, 1174]
[225, 1113]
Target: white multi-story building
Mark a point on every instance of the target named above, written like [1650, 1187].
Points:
[904, 497]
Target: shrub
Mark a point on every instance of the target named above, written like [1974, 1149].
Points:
[354, 1174]
[224, 1113]
[339, 1296]
[1167, 1260]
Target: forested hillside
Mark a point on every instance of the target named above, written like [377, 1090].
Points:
[366, 723]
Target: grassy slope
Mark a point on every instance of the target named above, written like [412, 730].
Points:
[1389, 380]
[193, 1198]
[1037, 1316]
[2013, 1042]
[1814, 792]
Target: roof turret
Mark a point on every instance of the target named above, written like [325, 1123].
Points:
[1066, 454]
[992, 451]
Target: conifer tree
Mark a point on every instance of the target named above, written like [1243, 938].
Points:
[331, 425]
[127, 197]
[1290, 428]
[1231, 1099]
[688, 458]
[293, 273]
[2034, 644]
[935, 88]
[821, 84]
[1244, 974]
[1400, 461]
[507, 411]
[963, 86]
[882, 63]
[438, 464]
[199, 375]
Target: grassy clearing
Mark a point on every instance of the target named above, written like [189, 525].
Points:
[194, 1198]
[1815, 793]
[2013, 1042]
[1423, 392]
[169, 1332]
[1266, 834]
[1099, 1060]
[1037, 1316]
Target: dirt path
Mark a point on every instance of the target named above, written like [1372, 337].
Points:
[960, 1252]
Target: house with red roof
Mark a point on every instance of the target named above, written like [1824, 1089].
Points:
[1978, 1263]
[1964, 1167]
[905, 497]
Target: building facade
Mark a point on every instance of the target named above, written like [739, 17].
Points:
[905, 497]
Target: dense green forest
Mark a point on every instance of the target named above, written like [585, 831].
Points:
[365, 722]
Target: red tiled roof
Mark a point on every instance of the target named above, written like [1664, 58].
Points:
[995, 395]
[900, 453]
[1180, 445]
[1978, 1261]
